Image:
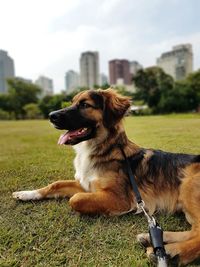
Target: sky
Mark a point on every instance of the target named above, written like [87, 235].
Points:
[46, 37]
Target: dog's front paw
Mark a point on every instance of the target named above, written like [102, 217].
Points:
[144, 239]
[27, 195]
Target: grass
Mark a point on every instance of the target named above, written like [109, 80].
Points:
[49, 233]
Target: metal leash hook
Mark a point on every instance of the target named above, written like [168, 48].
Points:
[156, 237]
[155, 231]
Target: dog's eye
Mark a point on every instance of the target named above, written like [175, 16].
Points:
[84, 105]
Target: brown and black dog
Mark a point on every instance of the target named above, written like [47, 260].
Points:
[167, 181]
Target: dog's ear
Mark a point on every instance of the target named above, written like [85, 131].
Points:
[115, 106]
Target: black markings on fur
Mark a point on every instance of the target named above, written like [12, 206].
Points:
[164, 169]
[196, 159]
[97, 98]
[136, 159]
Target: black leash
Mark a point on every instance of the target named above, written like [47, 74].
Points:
[132, 179]
[155, 231]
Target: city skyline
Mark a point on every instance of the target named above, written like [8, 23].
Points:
[50, 42]
[177, 62]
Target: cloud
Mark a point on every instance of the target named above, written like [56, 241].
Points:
[47, 37]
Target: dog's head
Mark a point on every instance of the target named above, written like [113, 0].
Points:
[90, 111]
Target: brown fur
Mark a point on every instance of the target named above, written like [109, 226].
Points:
[166, 181]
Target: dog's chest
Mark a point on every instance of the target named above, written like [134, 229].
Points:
[85, 171]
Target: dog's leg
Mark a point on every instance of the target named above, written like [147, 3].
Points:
[187, 251]
[168, 237]
[184, 247]
[55, 190]
[189, 197]
[172, 237]
[102, 202]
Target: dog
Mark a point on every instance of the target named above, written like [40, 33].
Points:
[166, 181]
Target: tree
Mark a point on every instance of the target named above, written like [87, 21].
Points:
[185, 96]
[21, 93]
[193, 81]
[174, 100]
[123, 91]
[32, 111]
[51, 103]
[5, 102]
[151, 84]
[4, 115]
[105, 86]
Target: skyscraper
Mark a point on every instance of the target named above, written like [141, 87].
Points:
[6, 70]
[89, 69]
[179, 62]
[46, 85]
[71, 81]
[119, 72]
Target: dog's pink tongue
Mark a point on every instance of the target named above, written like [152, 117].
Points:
[67, 136]
[63, 138]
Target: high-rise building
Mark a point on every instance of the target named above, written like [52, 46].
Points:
[89, 69]
[179, 62]
[71, 81]
[119, 72]
[134, 67]
[46, 84]
[6, 70]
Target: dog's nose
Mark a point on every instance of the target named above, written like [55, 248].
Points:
[53, 116]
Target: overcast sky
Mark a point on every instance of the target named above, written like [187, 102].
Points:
[46, 37]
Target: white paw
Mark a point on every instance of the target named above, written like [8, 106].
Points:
[27, 195]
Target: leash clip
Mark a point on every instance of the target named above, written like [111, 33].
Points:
[140, 205]
[141, 208]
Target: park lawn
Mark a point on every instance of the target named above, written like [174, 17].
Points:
[49, 233]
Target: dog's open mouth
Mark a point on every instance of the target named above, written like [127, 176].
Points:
[71, 137]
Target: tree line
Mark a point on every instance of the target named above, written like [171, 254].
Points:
[164, 95]
[153, 87]
[24, 101]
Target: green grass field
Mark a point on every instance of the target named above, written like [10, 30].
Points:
[49, 233]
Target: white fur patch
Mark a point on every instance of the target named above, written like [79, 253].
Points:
[85, 171]
[27, 195]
